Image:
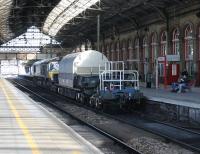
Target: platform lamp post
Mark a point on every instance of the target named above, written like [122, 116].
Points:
[156, 72]
[98, 32]
[167, 50]
[51, 46]
[165, 71]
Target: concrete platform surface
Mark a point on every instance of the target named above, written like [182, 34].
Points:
[26, 127]
[187, 99]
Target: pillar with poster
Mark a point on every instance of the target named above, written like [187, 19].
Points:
[168, 69]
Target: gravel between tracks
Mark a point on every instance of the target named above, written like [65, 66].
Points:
[154, 146]
[143, 141]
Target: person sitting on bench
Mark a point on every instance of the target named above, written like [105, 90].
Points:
[183, 83]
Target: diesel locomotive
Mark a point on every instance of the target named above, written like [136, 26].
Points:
[89, 78]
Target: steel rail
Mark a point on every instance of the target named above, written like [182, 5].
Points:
[116, 140]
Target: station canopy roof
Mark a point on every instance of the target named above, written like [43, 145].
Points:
[64, 12]
[5, 8]
[30, 41]
[72, 21]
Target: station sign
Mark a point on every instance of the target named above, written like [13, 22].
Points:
[169, 58]
[161, 58]
[173, 58]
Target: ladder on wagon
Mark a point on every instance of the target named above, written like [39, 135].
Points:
[114, 76]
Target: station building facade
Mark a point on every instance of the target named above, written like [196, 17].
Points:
[170, 49]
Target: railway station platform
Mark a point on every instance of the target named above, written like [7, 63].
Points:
[189, 99]
[26, 127]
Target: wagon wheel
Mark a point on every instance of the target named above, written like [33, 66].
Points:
[91, 101]
[77, 97]
[98, 103]
[82, 98]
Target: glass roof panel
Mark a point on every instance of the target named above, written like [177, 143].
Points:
[60, 17]
[55, 13]
[33, 39]
[5, 8]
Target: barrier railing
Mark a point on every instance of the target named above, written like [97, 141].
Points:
[114, 75]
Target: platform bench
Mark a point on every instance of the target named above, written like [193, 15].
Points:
[190, 84]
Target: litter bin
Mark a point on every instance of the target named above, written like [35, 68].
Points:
[148, 80]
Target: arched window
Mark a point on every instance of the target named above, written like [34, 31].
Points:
[199, 42]
[189, 44]
[88, 45]
[130, 50]
[100, 49]
[82, 47]
[108, 51]
[153, 47]
[137, 48]
[117, 53]
[78, 49]
[124, 50]
[145, 57]
[136, 55]
[145, 54]
[112, 51]
[103, 49]
[189, 49]
[176, 42]
[163, 50]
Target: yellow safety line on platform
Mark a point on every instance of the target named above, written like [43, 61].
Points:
[76, 152]
[21, 124]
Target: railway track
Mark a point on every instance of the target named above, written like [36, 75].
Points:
[181, 136]
[124, 145]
